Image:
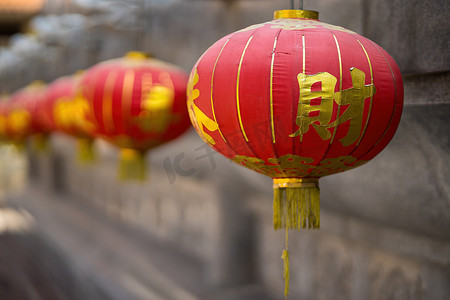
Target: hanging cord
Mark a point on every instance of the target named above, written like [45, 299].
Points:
[300, 4]
[285, 253]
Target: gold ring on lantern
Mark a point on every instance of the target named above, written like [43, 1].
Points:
[295, 182]
[296, 14]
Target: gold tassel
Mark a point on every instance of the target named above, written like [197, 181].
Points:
[132, 165]
[40, 142]
[85, 152]
[296, 204]
[301, 199]
[19, 145]
[285, 257]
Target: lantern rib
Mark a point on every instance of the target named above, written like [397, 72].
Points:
[271, 87]
[107, 107]
[212, 84]
[127, 93]
[90, 90]
[371, 97]
[168, 82]
[339, 105]
[271, 100]
[237, 88]
[340, 89]
[146, 83]
[300, 90]
[304, 54]
[395, 103]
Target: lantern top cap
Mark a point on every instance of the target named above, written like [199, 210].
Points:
[136, 55]
[296, 14]
[37, 83]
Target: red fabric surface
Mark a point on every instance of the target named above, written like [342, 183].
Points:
[28, 99]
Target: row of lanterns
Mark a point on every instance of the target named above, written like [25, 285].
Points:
[294, 98]
[135, 103]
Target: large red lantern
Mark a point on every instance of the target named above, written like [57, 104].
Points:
[296, 99]
[136, 103]
[65, 112]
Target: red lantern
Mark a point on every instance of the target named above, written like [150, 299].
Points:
[296, 99]
[66, 112]
[22, 111]
[136, 103]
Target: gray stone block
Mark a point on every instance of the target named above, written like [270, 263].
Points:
[427, 89]
[415, 33]
[349, 258]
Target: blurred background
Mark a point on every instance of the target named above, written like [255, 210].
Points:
[201, 227]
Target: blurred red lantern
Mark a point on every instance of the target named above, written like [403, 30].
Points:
[136, 103]
[64, 111]
[296, 99]
[15, 122]
[3, 118]
[22, 116]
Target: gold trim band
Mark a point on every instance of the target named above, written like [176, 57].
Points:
[296, 14]
[295, 182]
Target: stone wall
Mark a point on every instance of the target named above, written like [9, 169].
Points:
[385, 226]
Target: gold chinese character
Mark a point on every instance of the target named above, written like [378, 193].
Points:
[156, 105]
[353, 97]
[199, 118]
[323, 111]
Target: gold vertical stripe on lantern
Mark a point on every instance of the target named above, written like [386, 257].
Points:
[271, 90]
[107, 108]
[340, 87]
[127, 93]
[371, 97]
[212, 85]
[237, 88]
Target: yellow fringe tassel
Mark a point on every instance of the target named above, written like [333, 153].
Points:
[19, 145]
[132, 165]
[85, 152]
[302, 205]
[296, 204]
[40, 143]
